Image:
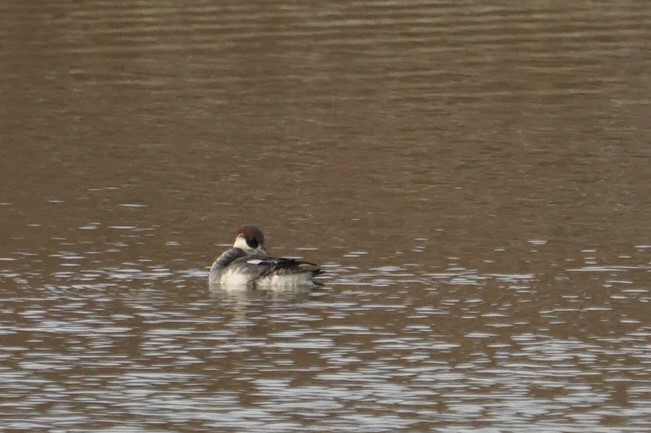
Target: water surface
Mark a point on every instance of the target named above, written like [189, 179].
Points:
[474, 179]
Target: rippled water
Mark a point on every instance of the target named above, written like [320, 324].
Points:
[474, 179]
[384, 349]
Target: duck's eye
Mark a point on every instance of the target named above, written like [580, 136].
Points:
[252, 243]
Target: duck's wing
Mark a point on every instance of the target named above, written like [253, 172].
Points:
[281, 265]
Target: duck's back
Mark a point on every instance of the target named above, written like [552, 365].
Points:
[264, 271]
[282, 271]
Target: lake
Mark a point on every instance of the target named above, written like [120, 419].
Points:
[475, 179]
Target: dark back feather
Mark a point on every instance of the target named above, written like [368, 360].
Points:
[280, 265]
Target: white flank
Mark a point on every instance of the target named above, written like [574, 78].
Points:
[279, 282]
[231, 278]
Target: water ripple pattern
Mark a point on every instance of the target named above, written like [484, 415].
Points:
[473, 177]
[437, 354]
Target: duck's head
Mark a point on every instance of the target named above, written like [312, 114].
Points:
[250, 240]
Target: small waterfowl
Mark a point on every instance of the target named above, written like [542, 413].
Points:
[248, 264]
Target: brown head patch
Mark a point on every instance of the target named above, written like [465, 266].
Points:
[252, 235]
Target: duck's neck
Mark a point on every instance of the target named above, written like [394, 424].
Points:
[226, 259]
[222, 261]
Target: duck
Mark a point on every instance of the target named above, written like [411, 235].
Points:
[248, 264]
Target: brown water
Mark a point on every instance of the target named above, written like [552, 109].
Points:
[476, 180]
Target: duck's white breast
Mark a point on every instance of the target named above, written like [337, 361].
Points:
[234, 278]
[285, 281]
